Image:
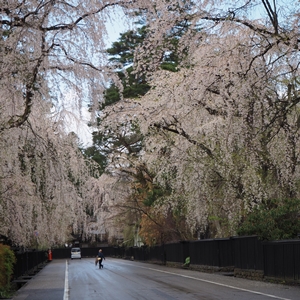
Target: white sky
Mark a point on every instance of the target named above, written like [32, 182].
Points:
[75, 119]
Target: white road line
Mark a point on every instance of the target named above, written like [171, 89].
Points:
[66, 291]
[216, 283]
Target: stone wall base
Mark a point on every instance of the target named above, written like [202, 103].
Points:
[249, 274]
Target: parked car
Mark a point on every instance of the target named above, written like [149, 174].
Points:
[75, 253]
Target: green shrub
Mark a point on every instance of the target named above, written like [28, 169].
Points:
[273, 220]
[7, 261]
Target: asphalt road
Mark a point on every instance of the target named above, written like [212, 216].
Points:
[127, 280]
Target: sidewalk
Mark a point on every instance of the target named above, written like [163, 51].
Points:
[48, 284]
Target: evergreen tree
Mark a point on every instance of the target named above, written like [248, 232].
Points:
[122, 55]
[273, 220]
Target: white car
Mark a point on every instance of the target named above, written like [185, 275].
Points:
[75, 253]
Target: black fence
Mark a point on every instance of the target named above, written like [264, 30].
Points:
[58, 253]
[282, 260]
[28, 263]
[215, 253]
[241, 255]
[247, 253]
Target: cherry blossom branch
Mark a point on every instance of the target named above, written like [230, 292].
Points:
[283, 38]
[185, 135]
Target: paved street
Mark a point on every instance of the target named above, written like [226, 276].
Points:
[127, 280]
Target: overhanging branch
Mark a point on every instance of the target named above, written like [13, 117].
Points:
[185, 135]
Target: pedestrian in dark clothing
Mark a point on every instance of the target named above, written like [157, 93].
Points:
[100, 258]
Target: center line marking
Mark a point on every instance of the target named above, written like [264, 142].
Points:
[66, 291]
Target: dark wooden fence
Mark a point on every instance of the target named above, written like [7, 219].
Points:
[248, 253]
[58, 253]
[243, 256]
[215, 252]
[29, 262]
[282, 260]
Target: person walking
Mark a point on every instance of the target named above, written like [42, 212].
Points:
[100, 258]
